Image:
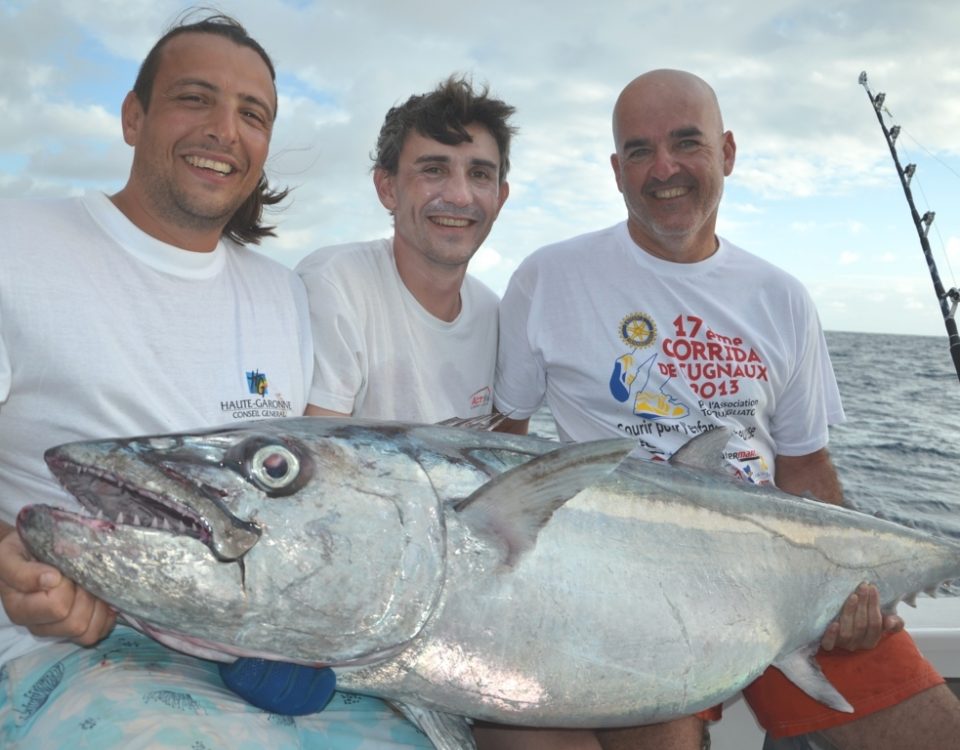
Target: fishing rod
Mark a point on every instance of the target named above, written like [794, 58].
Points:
[949, 299]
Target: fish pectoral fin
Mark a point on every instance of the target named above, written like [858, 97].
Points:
[802, 670]
[515, 505]
[704, 452]
[445, 731]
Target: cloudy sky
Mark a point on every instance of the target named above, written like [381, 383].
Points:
[814, 189]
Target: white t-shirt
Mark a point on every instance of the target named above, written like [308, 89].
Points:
[380, 354]
[106, 332]
[622, 343]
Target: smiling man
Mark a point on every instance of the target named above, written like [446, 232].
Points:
[659, 329]
[401, 330]
[146, 312]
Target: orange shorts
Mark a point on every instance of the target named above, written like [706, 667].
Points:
[870, 681]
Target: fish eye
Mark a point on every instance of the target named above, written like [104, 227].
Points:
[274, 466]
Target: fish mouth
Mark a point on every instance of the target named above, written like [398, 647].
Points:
[129, 487]
[108, 498]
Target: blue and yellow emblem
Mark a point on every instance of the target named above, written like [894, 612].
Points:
[257, 382]
[638, 331]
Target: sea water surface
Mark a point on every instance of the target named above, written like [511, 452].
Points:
[898, 453]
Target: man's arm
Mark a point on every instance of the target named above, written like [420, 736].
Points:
[46, 602]
[861, 623]
[811, 476]
[319, 411]
[513, 426]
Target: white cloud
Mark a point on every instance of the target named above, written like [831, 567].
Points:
[848, 259]
[813, 187]
[953, 248]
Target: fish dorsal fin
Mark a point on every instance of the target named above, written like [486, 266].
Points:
[485, 422]
[445, 731]
[704, 452]
[802, 670]
[515, 505]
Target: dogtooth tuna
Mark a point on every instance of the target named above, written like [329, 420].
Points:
[465, 574]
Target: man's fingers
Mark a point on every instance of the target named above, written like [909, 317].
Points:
[848, 616]
[873, 616]
[101, 622]
[57, 612]
[42, 599]
[20, 572]
[861, 622]
[829, 640]
[893, 623]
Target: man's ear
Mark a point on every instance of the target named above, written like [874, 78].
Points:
[729, 153]
[503, 195]
[131, 118]
[384, 183]
[615, 163]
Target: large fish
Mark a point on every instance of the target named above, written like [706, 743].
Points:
[460, 573]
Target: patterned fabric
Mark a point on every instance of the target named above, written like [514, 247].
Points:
[130, 692]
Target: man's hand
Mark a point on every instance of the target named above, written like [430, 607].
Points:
[47, 603]
[861, 623]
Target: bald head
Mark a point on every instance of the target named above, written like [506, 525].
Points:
[670, 162]
[673, 91]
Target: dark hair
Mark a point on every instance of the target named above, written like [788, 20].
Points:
[443, 115]
[244, 226]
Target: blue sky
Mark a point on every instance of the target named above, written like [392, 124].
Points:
[813, 190]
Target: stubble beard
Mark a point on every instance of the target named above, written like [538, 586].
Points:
[187, 209]
[672, 235]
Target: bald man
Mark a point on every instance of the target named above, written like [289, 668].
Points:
[659, 329]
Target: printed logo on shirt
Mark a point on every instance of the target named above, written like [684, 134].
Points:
[639, 331]
[753, 468]
[711, 369]
[713, 364]
[480, 399]
[257, 382]
[258, 406]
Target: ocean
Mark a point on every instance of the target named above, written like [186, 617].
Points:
[898, 453]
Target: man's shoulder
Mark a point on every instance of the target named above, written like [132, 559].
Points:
[343, 257]
[756, 266]
[36, 228]
[255, 258]
[578, 242]
[483, 295]
[272, 276]
[29, 209]
[573, 255]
